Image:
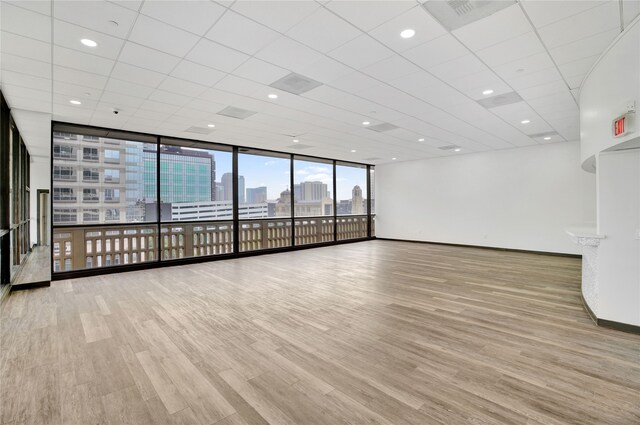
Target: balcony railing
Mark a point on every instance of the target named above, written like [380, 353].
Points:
[78, 248]
[265, 234]
[310, 230]
[183, 240]
[352, 227]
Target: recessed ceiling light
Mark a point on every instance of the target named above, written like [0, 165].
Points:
[295, 140]
[394, 159]
[273, 96]
[408, 33]
[353, 150]
[487, 92]
[525, 122]
[547, 138]
[365, 123]
[75, 102]
[457, 150]
[88, 43]
[211, 125]
[420, 140]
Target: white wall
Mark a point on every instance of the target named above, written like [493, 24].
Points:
[612, 83]
[40, 179]
[518, 198]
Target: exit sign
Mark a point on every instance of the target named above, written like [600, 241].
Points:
[623, 125]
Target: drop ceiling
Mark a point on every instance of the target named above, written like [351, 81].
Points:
[171, 66]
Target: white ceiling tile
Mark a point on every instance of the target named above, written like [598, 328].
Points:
[178, 86]
[578, 67]
[592, 21]
[144, 57]
[81, 61]
[122, 101]
[366, 14]
[278, 15]
[435, 52]
[24, 22]
[69, 36]
[543, 90]
[325, 69]
[457, 68]
[544, 76]
[361, 52]
[631, 9]
[473, 85]
[196, 73]
[164, 108]
[525, 66]
[26, 47]
[163, 37]
[522, 46]
[354, 82]
[169, 98]
[503, 25]
[288, 54]
[586, 47]
[194, 16]
[75, 76]
[391, 68]
[323, 31]
[76, 91]
[124, 87]
[214, 55]
[134, 74]
[543, 13]
[25, 92]
[40, 6]
[26, 80]
[416, 18]
[24, 65]
[38, 105]
[236, 31]
[260, 71]
[96, 15]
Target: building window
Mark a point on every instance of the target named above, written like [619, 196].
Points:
[63, 194]
[64, 173]
[255, 168]
[112, 195]
[90, 154]
[313, 188]
[111, 176]
[90, 215]
[112, 214]
[65, 215]
[90, 175]
[63, 152]
[90, 195]
[111, 155]
[352, 189]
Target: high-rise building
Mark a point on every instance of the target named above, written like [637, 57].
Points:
[227, 183]
[357, 201]
[186, 175]
[313, 191]
[256, 195]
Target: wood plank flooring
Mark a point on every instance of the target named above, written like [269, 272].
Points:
[375, 332]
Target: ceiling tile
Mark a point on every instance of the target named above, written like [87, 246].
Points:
[361, 52]
[194, 16]
[144, 57]
[137, 75]
[366, 14]
[125, 87]
[236, 31]
[214, 55]
[543, 13]
[289, 54]
[260, 71]
[196, 73]
[178, 86]
[391, 68]
[69, 36]
[501, 26]
[82, 61]
[25, 47]
[278, 15]
[522, 46]
[323, 31]
[163, 37]
[457, 68]
[23, 65]
[40, 6]
[24, 22]
[586, 47]
[26, 80]
[96, 15]
[435, 52]
[83, 78]
[416, 18]
[325, 69]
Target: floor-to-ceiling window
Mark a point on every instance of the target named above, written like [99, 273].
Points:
[264, 199]
[351, 201]
[313, 200]
[125, 199]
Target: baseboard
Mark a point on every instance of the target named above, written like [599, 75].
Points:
[31, 285]
[610, 324]
[526, 251]
[590, 312]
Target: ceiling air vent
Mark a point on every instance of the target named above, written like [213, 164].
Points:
[233, 112]
[385, 126]
[454, 14]
[448, 147]
[295, 83]
[500, 100]
[199, 130]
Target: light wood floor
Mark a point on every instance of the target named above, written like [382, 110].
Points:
[36, 268]
[375, 332]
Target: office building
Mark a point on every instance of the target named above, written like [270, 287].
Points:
[307, 212]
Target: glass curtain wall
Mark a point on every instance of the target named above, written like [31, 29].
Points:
[313, 200]
[196, 199]
[352, 204]
[264, 199]
[124, 198]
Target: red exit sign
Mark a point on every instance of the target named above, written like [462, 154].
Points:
[619, 126]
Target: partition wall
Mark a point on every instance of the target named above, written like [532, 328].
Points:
[124, 200]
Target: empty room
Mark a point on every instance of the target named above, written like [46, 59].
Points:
[319, 212]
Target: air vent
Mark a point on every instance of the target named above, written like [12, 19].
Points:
[448, 147]
[199, 130]
[296, 83]
[298, 146]
[454, 14]
[500, 100]
[233, 112]
[385, 126]
[545, 134]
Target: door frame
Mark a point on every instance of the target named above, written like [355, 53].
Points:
[38, 212]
